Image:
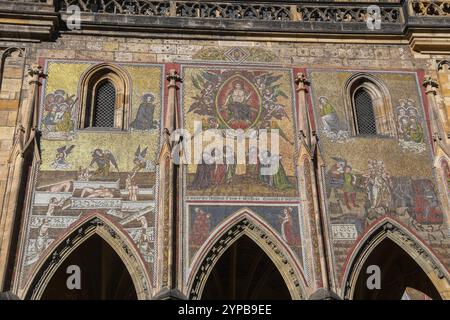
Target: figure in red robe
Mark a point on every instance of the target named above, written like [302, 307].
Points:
[200, 228]
[287, 231]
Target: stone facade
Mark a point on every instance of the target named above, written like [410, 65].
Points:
[340, 189]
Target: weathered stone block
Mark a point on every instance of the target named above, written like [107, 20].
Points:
[95, 55]
[134, 47]
[12, 117]
[95, 46]
[3, 118]
[144, 57]
[110, 46]
[57, 54]
[123, 56]
[163, 49]
[13, 72]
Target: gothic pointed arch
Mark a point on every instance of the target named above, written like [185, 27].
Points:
[442, 165]
[246, 223]
[105, 97]
[93, 225]
[442, 64]
[388, 231]
[446, 173]
[7, 53]
[368, 106]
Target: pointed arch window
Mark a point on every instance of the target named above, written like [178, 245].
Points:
[105, 99]
[368, 107]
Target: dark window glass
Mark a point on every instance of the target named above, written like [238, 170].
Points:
[365, 116]
[105, 101]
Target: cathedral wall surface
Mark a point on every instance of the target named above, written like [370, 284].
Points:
[62, 185]
[12, 67]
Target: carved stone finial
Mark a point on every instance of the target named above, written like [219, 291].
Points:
[302, 81]
[436, 136]
[35, 73]
[430, 84]
[173, 77]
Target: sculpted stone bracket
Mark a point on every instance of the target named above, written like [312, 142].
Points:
[401, 238]
[222, 245]
[66, 247]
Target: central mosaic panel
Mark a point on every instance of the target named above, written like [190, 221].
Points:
[249, 100]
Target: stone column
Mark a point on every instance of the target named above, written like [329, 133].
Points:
[168, 197]
[303, 114]
[171, 117]
[430, 89]
[24, 155]
[308, 136]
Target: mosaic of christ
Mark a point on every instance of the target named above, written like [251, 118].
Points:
[238, 103]
[241, 99]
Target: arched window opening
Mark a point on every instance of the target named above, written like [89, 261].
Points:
[368, 107]
[397, 272]
[364, 113]
[244, 271]
[103, 275]
[105, 98]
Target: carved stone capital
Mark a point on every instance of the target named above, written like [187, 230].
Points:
[430, 85]
[302, 82]
[173, 77]
[35, 73]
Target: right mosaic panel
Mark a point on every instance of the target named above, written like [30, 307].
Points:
[370, 177]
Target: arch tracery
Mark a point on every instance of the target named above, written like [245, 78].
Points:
[246, 224]
[78, 235]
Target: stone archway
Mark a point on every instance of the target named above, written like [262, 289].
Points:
[265, 239]
[401, 257]
[245, 272]
[93, 271]
[94, 226]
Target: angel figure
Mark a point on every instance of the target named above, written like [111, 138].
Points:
[103, 159]
[60, 158]
[139, 159]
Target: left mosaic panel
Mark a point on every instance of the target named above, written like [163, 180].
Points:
[84, 172]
